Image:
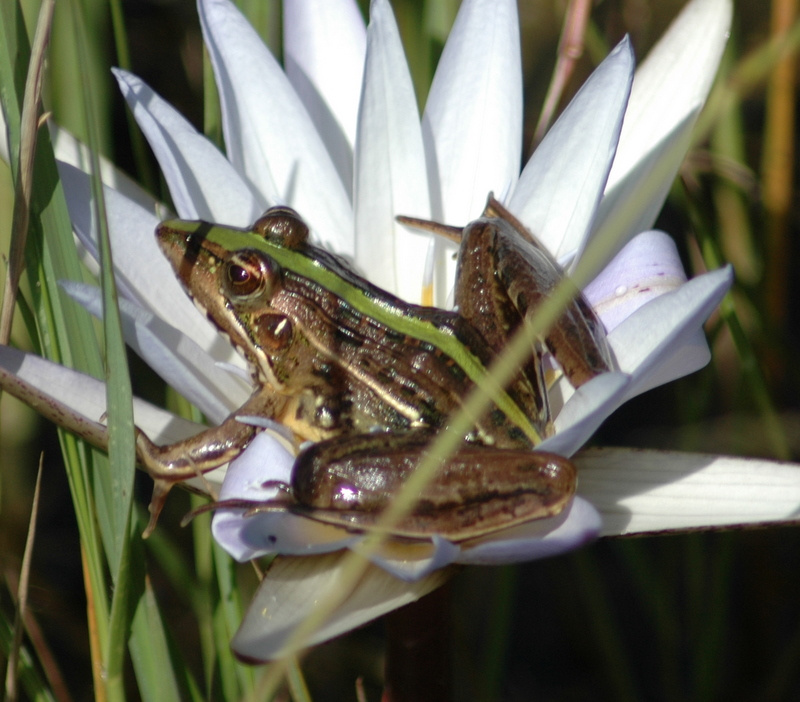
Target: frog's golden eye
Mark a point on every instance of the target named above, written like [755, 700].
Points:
[249, 274]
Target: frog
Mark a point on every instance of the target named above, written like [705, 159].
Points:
[371, 379]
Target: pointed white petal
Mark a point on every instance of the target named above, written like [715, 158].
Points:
[72, 399]
[294, 587]
[69, 150]
[647, 267]
[141, 269]
[692, 355]
[577, 525]
[269, 136]
[639, 491]
[86, 395]
[390, 165]
[472, 124]
[202, 182]
[633, 204]
[561, 185]
[669, 88]
[175, 357]
[658, 330]
[323, 50]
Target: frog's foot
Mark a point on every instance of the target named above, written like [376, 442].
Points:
[163, 472]
[161, 489]
[250, 507]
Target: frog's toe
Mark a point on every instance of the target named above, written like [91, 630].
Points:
[161, 489]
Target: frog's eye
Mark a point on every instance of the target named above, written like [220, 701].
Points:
[248, 275]
[282, 225]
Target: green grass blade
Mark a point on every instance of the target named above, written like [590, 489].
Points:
[117, 486]
[238, 680]
[65, 332]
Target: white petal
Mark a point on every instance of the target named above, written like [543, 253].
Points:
[670, 86]
[561, 185]
[692, 355]
[86, 395]
[174, 356]
[634, 203]
[69, 150]
[585, 411]
[647, 267]
[4, 150]
[202, 182]
[323, 50]
[656, 331]
[577, 525]
[390, 165]
[472, 124]
[141, 269]
[294, 587]
[639, 491]
[268, 134]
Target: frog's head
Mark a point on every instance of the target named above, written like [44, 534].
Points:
[232, 279]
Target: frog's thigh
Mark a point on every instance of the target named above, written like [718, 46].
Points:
[476, 491]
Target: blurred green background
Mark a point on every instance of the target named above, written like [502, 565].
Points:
[695, 617]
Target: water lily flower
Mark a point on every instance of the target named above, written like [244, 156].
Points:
[338, 137]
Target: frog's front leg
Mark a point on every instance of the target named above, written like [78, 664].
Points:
[202, 452]
[349, 481]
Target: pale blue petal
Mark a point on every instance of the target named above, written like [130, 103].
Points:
[246, 537]
[174, 356]
[658, 330]
[86, 395]
[585, 411]
[142, 271]
[576, 526]
[647, 267]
